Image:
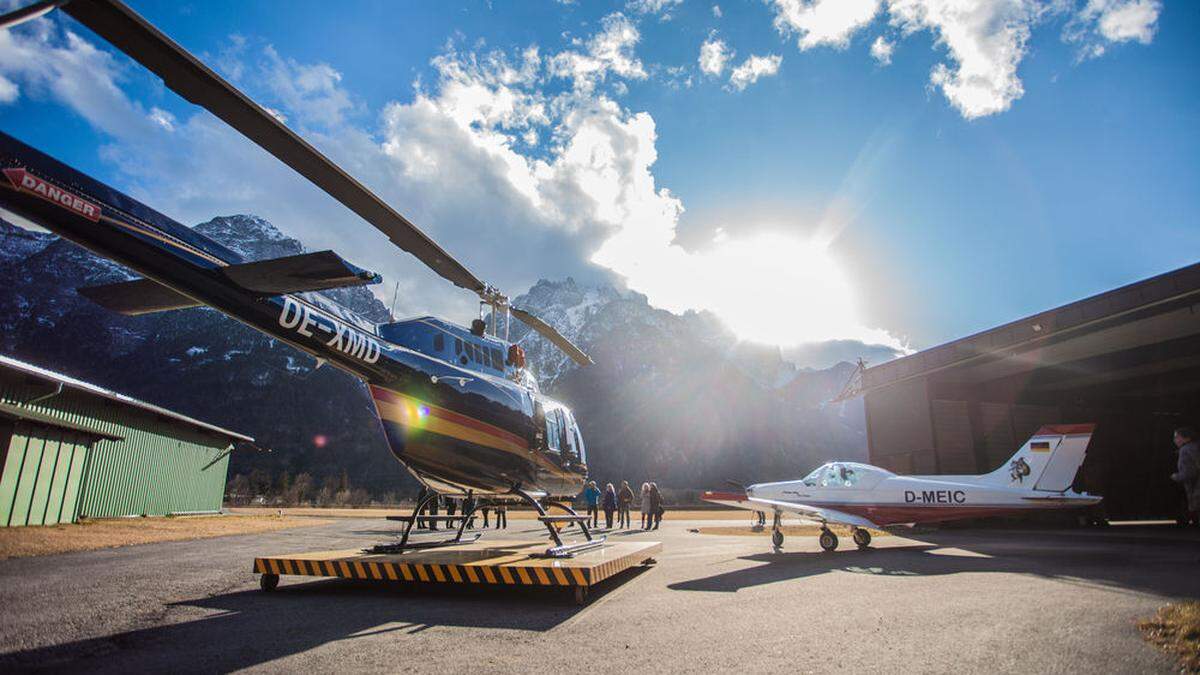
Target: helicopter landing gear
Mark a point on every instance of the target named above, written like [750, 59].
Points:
[828, 539]
[777, 539]
[862, 538]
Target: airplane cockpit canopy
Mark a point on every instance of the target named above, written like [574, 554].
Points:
[846, 475]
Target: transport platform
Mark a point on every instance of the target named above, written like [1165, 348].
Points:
[495, 563]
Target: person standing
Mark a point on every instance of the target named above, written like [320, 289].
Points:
[1187, 470]
[469, 509]
[624, 499]
[591, 495]
[645, 497]
[502, 516]
[451, 509]
[485, 510]
[610, 505]
[433, 511]
[656, 505]
[421, 496]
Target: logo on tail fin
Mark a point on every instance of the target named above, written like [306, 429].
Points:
[1018, 469]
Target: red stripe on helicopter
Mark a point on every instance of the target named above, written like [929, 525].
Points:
[448, 415]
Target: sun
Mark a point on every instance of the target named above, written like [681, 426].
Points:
[780, 289]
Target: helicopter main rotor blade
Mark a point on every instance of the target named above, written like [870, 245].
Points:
[191, 79]
[552, 335]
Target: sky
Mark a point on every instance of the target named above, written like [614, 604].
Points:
[859, 173]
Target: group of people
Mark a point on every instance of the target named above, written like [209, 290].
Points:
[465, 505]
[620, 502]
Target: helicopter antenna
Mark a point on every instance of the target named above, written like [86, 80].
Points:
[392, 309]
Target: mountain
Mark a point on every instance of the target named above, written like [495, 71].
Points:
[673, 398]
[677, 399]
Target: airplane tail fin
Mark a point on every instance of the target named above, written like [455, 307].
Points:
[1048, 461]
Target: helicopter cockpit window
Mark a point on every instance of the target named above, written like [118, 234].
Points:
[439, 342]
[569, 435]
[497, 358]
[553, 430]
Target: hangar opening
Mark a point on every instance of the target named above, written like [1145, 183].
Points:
[1127, 360]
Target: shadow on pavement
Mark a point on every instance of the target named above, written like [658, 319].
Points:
[1162, 564]
[253, 627]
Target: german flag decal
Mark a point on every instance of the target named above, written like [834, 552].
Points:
[1040, 446]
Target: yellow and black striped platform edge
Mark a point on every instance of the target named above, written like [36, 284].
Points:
[513, 575]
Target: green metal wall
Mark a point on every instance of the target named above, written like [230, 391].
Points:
[42, 474]
[160, 466]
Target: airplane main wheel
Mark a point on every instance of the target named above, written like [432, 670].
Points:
[829, 540]
[777, 539]
[862, 538]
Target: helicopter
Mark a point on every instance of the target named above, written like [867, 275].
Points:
[459, 406]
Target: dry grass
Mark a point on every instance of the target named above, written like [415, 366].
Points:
[20, 542]
[514, 514]
[788, 530]
[1176, 628]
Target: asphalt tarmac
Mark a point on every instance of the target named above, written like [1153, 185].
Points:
[991, 601]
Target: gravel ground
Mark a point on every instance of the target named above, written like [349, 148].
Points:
[993, 601]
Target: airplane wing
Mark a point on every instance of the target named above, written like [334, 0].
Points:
[817, 513]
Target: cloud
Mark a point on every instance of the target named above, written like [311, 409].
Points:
[609, 51]
[9, 91]
[519, 178]
[660, 8]
[985, 42]
[752, 69]
[714, 56]
[1101, 23]
[881, 51]
[828, 23]
[716, 11]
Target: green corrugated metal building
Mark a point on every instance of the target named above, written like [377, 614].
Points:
[73, 450]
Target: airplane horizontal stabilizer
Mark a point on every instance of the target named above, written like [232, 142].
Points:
[131, 298]
[298, 273]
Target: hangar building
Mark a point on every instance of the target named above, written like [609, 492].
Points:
[69, 450]
[1127, 359]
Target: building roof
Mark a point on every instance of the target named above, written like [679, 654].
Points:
[9, 363]
[1153, 310]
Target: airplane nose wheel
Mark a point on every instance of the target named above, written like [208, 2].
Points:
[777, 539]
[829, 540]
[862, 538]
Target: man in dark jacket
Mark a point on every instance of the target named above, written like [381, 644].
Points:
[624, 499]
[1187, 472]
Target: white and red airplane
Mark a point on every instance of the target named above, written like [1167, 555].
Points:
[1039, 476]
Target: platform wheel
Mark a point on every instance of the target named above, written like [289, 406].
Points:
[268, 582]
[829, 540]
[862, 538]
[777, 539]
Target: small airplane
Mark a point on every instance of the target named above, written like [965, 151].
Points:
[457, 405]
[862, 496]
